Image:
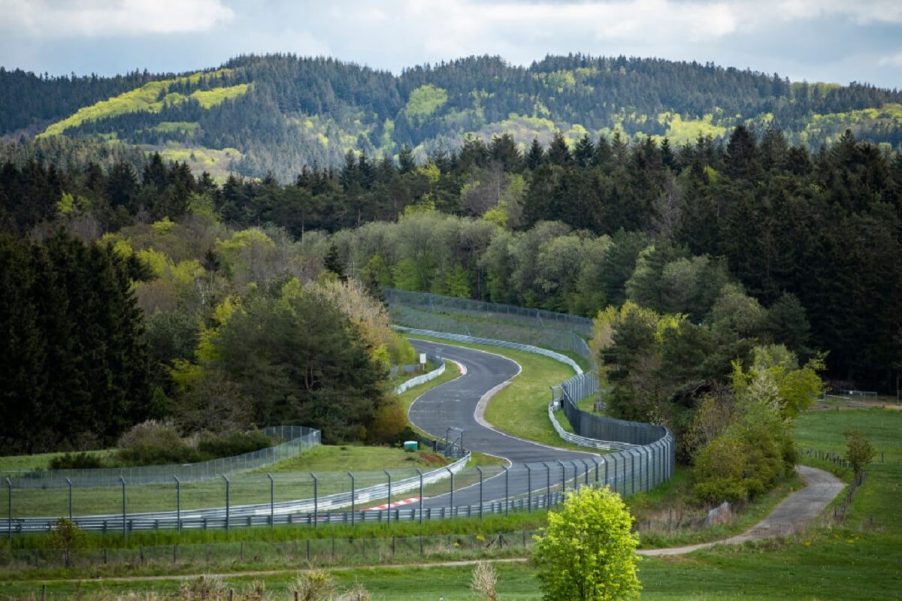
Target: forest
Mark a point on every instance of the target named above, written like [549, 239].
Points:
[712, 269]
[267, 115]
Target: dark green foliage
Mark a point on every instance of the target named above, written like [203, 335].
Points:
[229, 444]
[75, 461]
[813, 237]
[160, 443]
[72, 357]
[297, 359]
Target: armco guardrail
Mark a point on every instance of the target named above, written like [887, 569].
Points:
[422, 379]
[591, 431]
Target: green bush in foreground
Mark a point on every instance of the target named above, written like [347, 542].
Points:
[587, 552]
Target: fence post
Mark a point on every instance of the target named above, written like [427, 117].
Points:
[614, 457]
[353, 494]
[272, 500]
[228, 485]
[69, 486]
[548, 484]
[388, 506]
[315, 498]
[563, 476]
[178, 504]
[506, 489]
[479, 469]
[586, 474]
[420, 474]
[451, 495]
[124, 507]
[9, 507]
[528, 487]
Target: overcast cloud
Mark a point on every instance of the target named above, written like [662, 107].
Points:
[816, 40]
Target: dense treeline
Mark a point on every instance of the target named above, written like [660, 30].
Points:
[822, 227]
[311, 111]
[748, 244]
[74, 361]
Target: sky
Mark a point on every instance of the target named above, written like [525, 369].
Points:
[813, 40]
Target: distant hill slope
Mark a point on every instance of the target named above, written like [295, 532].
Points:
[275, 113]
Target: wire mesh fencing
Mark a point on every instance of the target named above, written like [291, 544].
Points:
[350, 498]
[442, 315]
[295, 440]
[538, 318]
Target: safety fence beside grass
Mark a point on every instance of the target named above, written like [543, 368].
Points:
[296, 439]
[362, 497]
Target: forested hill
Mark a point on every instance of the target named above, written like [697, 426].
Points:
[276, 113]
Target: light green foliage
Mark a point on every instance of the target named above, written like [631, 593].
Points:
[756, 450]
[795, 388]
[147, 98]
[69, 204]
[171, 127]
[587, 552]
[687, 131]
[828, 128]
[455, 283]
[425, 100]
[210, 98]
[859, 452]
[219, 163]
[735, 311]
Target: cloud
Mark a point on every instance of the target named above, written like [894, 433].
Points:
[893, 60]
[112, 18]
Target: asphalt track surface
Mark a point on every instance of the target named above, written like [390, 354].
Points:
[455, 403]
[459, 404]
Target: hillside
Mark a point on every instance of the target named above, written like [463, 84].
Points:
[276, 113]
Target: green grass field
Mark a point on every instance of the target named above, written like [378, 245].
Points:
[860, 559]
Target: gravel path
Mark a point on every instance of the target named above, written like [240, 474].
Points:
[791, 516]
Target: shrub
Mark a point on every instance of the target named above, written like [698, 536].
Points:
[75, 461]
[859, 452]
[587, 552]
[154, 443]
[228, 444]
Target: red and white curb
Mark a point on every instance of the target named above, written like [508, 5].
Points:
[400, 503]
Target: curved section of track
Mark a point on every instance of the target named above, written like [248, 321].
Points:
[454, 405]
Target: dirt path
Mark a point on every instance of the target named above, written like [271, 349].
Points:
[793, 514]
